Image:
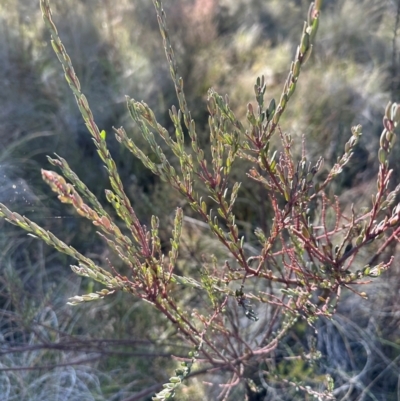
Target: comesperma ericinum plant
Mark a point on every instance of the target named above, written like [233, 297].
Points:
[303, 263]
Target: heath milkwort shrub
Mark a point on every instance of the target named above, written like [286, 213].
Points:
[249, 298]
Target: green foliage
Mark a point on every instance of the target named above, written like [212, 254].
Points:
[309, 249]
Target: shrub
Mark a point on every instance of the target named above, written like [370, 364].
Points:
[238, 308]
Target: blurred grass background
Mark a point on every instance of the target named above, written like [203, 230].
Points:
[49, 350]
